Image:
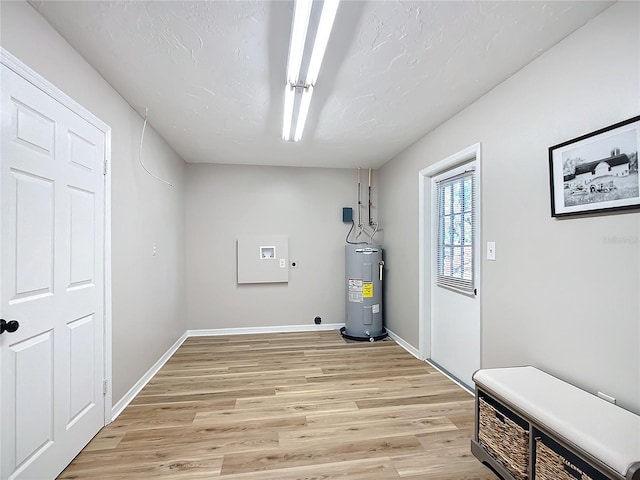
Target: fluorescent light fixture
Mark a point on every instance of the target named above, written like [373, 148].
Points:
[301, 17]
[322, 38]
[303, 111]
[289, 98]
[299, 89]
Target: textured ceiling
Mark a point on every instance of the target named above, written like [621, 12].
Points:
[212, 73]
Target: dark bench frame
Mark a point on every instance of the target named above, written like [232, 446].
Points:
[480, 453]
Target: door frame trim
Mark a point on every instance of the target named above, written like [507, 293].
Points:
[425, 258]
[31, 76]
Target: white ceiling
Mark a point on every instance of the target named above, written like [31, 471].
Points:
[212, 73]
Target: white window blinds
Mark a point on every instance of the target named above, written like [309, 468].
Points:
[456, 232]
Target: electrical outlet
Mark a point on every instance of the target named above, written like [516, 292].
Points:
[283, 263]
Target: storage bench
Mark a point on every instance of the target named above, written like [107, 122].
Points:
[531, 425]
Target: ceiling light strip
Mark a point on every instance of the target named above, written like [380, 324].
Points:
[289, 100]
[301, 16]
[305, 101]
[303, 88]
[322, 38]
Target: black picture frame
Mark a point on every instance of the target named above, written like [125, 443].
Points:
[596, 172]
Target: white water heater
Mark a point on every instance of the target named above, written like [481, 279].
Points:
[364, 268]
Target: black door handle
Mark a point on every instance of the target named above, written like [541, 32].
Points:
[10, 326]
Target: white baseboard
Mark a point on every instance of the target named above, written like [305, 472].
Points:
[416, 353]
[408, 347]
[452, 378]
[275, 329]
[140, 384]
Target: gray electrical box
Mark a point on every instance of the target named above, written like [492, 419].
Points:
[263, 259]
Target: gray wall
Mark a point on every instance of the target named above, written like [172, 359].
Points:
[148, 291]
[225, 201]
[563, 294]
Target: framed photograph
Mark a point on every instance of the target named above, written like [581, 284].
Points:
[597, 172]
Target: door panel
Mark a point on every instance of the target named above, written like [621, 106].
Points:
[455, 316]
[81, 394]
[32, 359]
[455, 333]
[82, 245]
[33, 129]
[32, 222]
[52, 271]
[82, 152]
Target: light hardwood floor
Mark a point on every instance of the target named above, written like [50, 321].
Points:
[289, 406]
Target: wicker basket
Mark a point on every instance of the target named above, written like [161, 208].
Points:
[504, 439]
[552, 464]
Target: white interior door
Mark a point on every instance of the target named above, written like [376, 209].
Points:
[454, 317]
[52, 282]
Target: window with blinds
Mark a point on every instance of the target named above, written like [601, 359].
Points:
[456, 232]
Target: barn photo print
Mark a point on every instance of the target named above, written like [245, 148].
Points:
[596, 172]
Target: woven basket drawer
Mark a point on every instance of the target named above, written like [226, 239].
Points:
[554, 462]
[505, 436]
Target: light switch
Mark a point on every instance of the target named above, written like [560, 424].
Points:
[491, 250]
[283, 263]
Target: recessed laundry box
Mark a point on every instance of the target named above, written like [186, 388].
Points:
[263, 259]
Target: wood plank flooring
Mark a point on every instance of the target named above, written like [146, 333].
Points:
[286, 407]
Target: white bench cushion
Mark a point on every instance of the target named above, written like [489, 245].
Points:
[606, 431]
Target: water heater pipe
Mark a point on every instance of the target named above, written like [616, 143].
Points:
[370, 219]
[359, 202]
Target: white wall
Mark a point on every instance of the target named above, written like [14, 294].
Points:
[148, 291]
[562, 295]
[225, 201]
